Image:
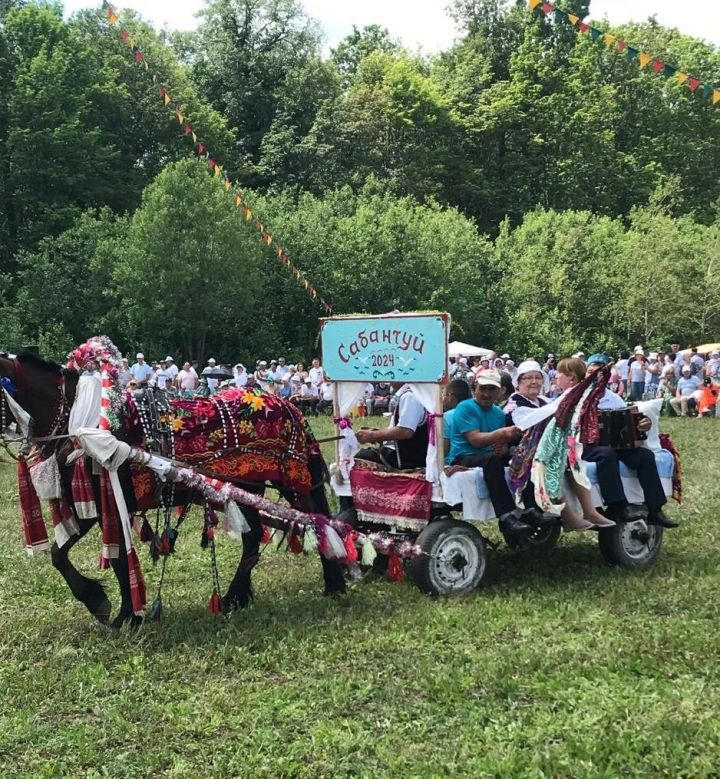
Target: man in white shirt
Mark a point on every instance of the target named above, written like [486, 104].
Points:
[209, 368]
[316, 373]
[281, 370]
[172, 369]
[161, 378]
[140, 370]
[404, 443]
[638, 459]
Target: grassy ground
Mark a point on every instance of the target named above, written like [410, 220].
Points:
[558, 667]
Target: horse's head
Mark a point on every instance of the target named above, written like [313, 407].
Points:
[43, 389]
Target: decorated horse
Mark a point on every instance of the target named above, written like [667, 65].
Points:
[239, 437]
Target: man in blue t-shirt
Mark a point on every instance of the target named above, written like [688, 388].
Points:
[140, 370]
[479, 438]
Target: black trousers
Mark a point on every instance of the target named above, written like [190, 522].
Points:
[640, 459]
[389, 456]
[494, 475]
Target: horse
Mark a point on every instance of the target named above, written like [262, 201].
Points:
[46, 391]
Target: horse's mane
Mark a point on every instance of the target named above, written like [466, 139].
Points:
[28, 358]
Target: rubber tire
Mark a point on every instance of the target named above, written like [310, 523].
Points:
[546, 539]
[613, 549]
[424, 570]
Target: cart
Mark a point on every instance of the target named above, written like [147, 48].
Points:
[443, 514]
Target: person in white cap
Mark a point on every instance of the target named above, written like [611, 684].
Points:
[172, 369]
[140, 370]
[636, 373]
[479, 437]
[712, 366]
[209, 368]
[530, 384]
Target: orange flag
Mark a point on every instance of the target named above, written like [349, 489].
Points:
[644, 59]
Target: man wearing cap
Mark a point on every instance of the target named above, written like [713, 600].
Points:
[480, 438]
[172, 369]
[403, 444]
[140, 370]
[638, 459]
[209, 368]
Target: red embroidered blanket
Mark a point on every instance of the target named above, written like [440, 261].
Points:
[395, 499]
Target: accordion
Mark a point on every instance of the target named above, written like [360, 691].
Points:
[619, 428]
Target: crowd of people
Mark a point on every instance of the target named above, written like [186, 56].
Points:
[307, 387]
[688, 381]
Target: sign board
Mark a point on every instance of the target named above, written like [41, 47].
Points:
[394, 347]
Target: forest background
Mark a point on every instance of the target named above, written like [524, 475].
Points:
[547, 192]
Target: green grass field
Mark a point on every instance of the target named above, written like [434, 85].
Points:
[558, 667]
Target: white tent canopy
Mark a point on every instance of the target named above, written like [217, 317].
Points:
[459, 349]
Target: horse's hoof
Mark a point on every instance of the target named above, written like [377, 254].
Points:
[102, 612]
[233, 604]
[334, 593]
[133, 621]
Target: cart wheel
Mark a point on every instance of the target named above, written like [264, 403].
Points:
[542, 539]
[456, 561]
[631, 544]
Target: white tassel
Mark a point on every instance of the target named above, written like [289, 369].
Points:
[235, 522]
[336, 548]
[309, 540]
[368, 552]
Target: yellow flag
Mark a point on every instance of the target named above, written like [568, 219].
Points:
[682, 77]
[131, 42]
[268, 239]
[716, 95]
[644, 59]
[194, 138]
[227, 184]
[217, 170]
[166, 98]
[248, 215]
[238, 200]
[573, 19]
[534, 4]
[180, 117]
[609, 40]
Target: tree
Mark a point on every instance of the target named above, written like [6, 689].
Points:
[353, 49]
[188, 270]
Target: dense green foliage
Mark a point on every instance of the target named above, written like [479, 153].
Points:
[540, 187]
[560, 666]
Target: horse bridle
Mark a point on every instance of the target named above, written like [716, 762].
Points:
[58, 424]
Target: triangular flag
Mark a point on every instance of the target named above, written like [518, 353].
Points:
[547, 8]
[693, 83]
[187, 129]
[166, 98]
[138, 56]
[131, 42]
[583, 27]
[201, 149]
[217, 170]
[124, 35]
[534, 4]
[658, 65]
[238, 200]
[194, 138]
[268, 239]
[211, 164]
[560, 16]
[145, 65]
[573, 19]
[644, 59]
[227, 184]
[609, 39]
[632, 52]
[669, 70]
[707, 90]
[716, 95]
[621, 44]
[248, 214]
[595, 34]
[180, 117]
[682, 77]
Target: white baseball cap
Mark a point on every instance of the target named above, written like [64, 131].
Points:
[139, 356]
[211, 361]
[168, 359]
[488, 378]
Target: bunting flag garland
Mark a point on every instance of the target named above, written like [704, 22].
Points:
[708, 91]
[201, 151]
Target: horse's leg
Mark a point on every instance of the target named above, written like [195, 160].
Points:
[122, 574]
[317, 501]
[87, 591]
[239, 592]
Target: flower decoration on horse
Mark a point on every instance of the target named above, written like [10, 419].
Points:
[100, 355]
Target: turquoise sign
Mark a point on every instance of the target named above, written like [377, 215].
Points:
[410, 348]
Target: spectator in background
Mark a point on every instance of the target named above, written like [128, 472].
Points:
[453, 393]
[281, 370]
[171, 368]
[687, 386]
[463, 371]
[383, 393]
[240, 375]
[636, 372]
[124, 374]
[211, 383]
[623, 368]
[697, 361]
[186, 379]
[325, 403]
[316, 373]
[140, 371]
[712, 366]
[161, 378]
[300, 373]
[652, 375]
